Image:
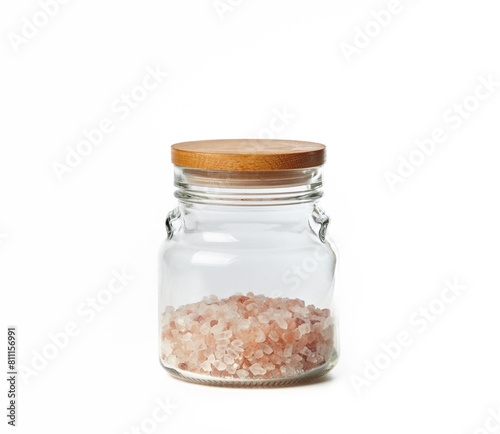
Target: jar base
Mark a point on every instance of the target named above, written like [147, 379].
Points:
[271, 382]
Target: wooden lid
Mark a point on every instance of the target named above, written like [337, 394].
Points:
[248, 154]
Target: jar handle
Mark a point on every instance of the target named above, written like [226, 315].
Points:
[172, 216]
[321, 218]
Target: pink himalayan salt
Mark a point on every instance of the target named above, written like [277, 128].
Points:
[257, 369]
[242, 373]
[246, 337]
[258, 354]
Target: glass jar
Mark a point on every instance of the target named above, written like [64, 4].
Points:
[246, 273]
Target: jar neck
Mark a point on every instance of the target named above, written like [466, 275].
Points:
[249, 189]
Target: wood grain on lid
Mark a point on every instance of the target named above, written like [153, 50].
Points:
[248, 154]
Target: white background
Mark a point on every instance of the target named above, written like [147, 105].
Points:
[61, 239]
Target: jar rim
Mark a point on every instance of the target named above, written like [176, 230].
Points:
[266, 179]
[248, 188]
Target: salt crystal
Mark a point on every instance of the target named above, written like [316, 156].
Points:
[282, 323]
[306, 351]
[256, 369]
[223, 342]
[312, 358]
[244, 324]
[228, 360]
[186, 337]
[258, 354]
[204, 328]
[242, 373]
[253, 322]
[172, 360]
[212, 299]
[206, 366]
[261, 337]
[263, 319]
[237, 343]
[217, 328]
[304, 328]
[266, 348]
[193, 357]
[180, 323]
[324, 312]
[274, 336]
[248, 352]
[233, 353]
[219, 365]
[218, 336]
[288, 350]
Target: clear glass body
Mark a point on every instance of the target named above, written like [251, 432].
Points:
[246, 279]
